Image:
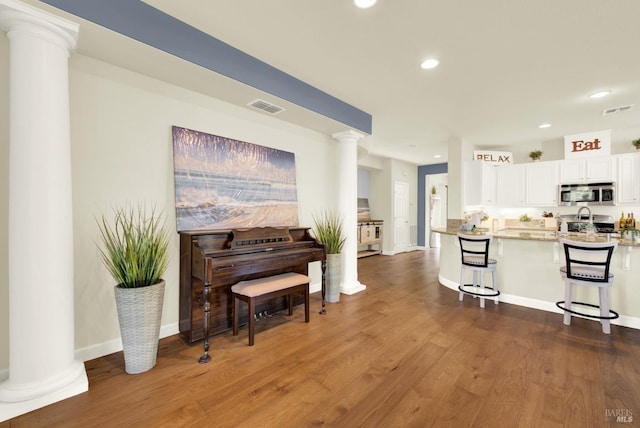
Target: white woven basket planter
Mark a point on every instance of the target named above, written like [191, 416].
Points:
[333, 276]
[139, 315]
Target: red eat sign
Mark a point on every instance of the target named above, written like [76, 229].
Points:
[581, 146]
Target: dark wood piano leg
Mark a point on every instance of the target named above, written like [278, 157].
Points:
[206, 306]
[324, 290]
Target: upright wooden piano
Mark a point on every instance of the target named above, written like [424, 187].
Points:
[212, 261]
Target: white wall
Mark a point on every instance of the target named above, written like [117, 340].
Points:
[554, 149]
[122, 153]
[382, 205]
[4, 202]
[364, 184]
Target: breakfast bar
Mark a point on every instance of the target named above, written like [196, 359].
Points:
[528, 270]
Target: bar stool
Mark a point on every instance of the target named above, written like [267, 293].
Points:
[588, 264]
[475, 257]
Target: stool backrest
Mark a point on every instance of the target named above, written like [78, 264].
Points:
[585, 257]
[476, 248]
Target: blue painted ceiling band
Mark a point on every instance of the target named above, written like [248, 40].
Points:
[155, 28]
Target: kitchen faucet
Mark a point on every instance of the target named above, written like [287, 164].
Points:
[588, 210]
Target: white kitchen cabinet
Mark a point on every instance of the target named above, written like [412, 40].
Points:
[601, 169]
[541, 184]
[628, 182]
[479, 183]
[587, 170]
[572, 171]
[510, 185]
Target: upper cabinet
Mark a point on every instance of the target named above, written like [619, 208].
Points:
[510, 179]
[587, 170]
[541, 183]
[628, 182]
[535, 184]
[479, 183]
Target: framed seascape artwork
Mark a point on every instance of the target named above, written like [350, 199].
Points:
[222, 183]
[363, 209]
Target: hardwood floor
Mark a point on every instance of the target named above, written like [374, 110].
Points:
[405, 352]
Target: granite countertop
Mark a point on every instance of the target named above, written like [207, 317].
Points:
[535, 235]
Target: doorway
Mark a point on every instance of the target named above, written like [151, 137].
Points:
[435, 207]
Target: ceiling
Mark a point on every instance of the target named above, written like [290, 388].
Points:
[506, 66]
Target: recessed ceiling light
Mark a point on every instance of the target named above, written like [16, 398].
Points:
[429, 64]
[544, 125]
[363, 4]
[437, 156]
[599, 94]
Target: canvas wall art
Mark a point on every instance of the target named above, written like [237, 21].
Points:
[221, 183]
[364, 214]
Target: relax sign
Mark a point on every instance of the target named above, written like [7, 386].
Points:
[591, 144]
[495, 158]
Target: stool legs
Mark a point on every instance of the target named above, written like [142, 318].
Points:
[568, 291]
[604, 310]
[251, 320]
[481, 285]
[236, 310]
[306, 304]
[251, 306]
[603, 295]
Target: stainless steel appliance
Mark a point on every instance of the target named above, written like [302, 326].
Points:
[577, 222]
[587, 194]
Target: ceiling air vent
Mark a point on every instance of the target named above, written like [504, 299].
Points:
[265, 106]
[614, 110]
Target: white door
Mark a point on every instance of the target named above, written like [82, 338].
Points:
[401, 217]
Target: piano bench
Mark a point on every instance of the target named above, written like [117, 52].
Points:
[262, 289]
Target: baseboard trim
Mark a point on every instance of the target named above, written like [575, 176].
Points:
[115, 345]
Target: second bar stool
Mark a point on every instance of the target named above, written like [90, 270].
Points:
[475, 258]
[589, 264]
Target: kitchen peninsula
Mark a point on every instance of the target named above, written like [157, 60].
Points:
[528, 270]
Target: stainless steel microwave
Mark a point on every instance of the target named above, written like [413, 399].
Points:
[587, 194]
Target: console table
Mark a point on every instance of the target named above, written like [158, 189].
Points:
[369, 238]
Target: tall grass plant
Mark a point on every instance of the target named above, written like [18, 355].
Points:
[134, 247]
[328, 231]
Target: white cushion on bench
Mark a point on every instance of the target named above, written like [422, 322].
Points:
[269, 284]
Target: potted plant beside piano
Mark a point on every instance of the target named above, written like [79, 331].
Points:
[134, 249]
[328, 231]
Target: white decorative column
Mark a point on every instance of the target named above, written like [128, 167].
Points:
[348, 206]
[42, 365]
